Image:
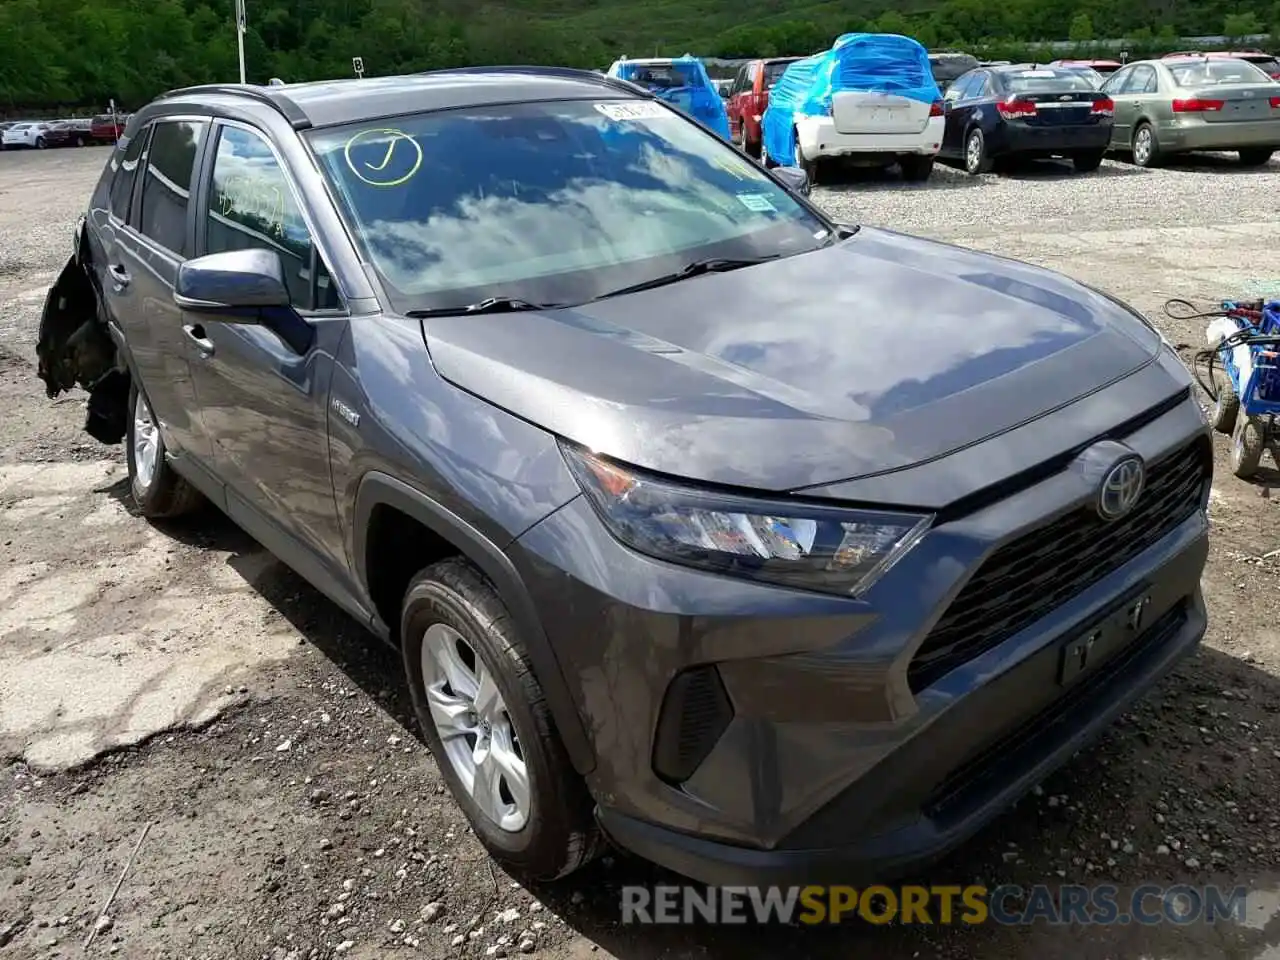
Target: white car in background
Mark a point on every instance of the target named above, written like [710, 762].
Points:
[25, 135]
[870, 100]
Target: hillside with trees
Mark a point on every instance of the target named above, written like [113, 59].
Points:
[83, 52]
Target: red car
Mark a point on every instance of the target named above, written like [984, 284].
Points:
[106, 128]
[748, 98]
[1104, 67]
[1259, 58]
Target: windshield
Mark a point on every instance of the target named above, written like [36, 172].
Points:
[1206, 73]
[1046, 81]
[551, 202]
[773, 72]
[660, 76]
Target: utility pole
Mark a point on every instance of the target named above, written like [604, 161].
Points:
[240, 28]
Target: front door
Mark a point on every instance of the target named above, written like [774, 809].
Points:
[142, 259]
[1125, 107]
[264, 401]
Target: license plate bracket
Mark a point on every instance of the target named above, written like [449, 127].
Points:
[1107, 634]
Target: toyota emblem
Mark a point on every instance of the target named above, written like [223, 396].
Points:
[1121, 488]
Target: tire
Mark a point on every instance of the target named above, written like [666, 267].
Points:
[976, 159]
[79, 141]
[915, 168]
[1248, 443]
[1144, 147]
[749, 147]
[811, 167]
[1087, 162]
[40, 144]
[1255, 158]
[156, 487]
[1223, 413]
[547, 830]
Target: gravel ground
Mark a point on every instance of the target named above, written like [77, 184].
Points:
[302, 818]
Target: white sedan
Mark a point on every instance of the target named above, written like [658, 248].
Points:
[25, 135]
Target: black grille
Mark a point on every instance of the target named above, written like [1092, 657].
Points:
[695, 712]
[1041, 570]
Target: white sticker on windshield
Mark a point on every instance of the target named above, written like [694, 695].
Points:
[640, 110]
[1048, 74]
[757, 202]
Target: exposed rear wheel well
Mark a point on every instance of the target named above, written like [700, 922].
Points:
[396, 547]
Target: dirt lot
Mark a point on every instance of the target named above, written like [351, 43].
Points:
[179, 677]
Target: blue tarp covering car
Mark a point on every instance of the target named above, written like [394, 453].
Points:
[883, 63]
[683, 82]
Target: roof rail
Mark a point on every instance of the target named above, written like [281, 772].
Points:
[568, 73]
[267, 95]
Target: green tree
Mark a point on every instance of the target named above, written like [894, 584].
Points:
[1081, 29]
[1237, 25]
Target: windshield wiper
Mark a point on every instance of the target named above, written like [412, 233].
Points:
[698, 267]
[487, 305]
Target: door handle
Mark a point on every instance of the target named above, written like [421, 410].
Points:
[119, 275]
[195, 333]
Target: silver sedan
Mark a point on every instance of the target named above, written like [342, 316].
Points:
[1170, 106]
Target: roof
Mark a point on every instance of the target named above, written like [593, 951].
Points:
[327, 102]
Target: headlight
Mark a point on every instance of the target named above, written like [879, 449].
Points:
[793, 544]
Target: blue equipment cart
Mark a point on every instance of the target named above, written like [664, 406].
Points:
[1243, 358]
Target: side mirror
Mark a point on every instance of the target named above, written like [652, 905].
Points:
[236, 280]
[794, 179]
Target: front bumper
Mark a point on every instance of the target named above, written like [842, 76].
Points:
[1194, 133]
[818, 139]
[1022, 138]
[817, 752]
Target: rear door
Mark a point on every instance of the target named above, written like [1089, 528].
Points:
[737, 100]
[141, 268]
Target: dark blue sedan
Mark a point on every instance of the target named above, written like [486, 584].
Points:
[998, 113]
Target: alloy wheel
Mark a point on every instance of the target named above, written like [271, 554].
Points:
[1142, 146]
[973, 152]
[146, 443]
[474, 727]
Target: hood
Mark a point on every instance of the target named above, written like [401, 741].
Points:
[871, 355]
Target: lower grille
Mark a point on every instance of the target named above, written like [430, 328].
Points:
[1041, 570]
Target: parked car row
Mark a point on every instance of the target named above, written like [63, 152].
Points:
[42, 134]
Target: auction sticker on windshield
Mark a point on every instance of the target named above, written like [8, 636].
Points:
[633, 111]
[757, 202]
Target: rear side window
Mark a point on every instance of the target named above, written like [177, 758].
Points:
[126, 173]
[166, 185]
[251, 205]
[773, 73]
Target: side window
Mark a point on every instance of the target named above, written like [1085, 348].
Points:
[125, 174]
[1144, 80]
[981, 87]
[754, 71]
[166, 185]
[252, 205]
[742, 81]
[957, 89]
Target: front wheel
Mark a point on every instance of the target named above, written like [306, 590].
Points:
[1087, 162]
[40, 144]
[1145, 147]
[915, 168]
[485, 719]
[79, 141]
[156, 487]
[1255, 158]
[1226, 406]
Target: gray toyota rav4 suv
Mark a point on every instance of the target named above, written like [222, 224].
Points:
[769, 548]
